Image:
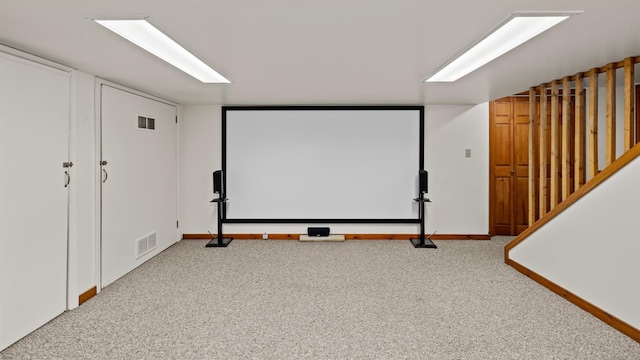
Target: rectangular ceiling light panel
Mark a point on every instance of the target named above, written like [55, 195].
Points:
[511, 33]
[146, 36]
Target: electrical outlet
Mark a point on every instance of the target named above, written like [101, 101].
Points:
[467, 153]
[265, 236]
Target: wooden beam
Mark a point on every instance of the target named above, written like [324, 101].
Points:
[533, 128]
[542, 156]
[629, 100]
[555, 148]
[580, 133]
[611, 115]
[637, 114]
[593, 122]
[599, 70]
[565, 177]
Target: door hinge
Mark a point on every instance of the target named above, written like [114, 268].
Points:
[176, 119]
[67, 164]
[177, 224]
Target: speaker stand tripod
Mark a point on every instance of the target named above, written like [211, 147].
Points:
[220, 241]
[423, 242]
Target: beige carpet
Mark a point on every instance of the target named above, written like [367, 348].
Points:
[323, 300]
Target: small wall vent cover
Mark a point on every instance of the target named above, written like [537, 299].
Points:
[146, 123]
[145, 245]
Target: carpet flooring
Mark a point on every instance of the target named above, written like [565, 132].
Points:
[348, 300]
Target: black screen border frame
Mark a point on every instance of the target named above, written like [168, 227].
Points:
[225, 108]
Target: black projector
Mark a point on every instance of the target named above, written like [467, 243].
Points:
[318, 231]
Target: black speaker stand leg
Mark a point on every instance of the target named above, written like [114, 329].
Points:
[219, 241]
[216, 243]
[422, 242]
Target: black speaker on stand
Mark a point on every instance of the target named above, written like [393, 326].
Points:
[422, 242]
[218, 188]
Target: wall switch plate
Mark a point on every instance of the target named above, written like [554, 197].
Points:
[467, 153]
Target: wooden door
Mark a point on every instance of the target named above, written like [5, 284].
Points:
[508, 160]
[520, 164]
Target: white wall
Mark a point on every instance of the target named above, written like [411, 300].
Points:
[201, 154]
[82, 226]
[592, 249]
[458, 186]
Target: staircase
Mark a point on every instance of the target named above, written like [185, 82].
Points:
[586, 245]
[587, 249]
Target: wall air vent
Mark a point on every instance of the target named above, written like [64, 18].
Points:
[145, 245]
[151, 241]
[146, 123]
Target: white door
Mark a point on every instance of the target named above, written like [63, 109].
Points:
[139, 189]
[34, 128]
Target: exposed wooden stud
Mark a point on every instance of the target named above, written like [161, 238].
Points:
[629, 102]
[611, 115]
[565, 178]
[637, 89]
[593, 122]
[554, 191]
[542, 157]
[580, 133]
[533, 127]
[619, 64]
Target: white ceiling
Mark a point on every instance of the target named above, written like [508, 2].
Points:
[292, 52]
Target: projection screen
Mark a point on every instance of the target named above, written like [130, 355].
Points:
[331, 164]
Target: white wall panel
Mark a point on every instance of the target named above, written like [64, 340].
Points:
[458, 186]
[592, 248]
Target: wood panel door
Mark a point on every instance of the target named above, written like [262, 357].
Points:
[509, 164]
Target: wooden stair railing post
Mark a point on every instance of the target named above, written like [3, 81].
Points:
[533, 129]
[593, 123]
[555, 151]
[611, 114]
[542, 156]
[629, 102]
[565, 177]
[580, 133]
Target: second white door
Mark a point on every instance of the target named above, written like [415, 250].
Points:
[139, 180]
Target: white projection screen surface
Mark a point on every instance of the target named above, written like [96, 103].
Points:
[322, 164]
